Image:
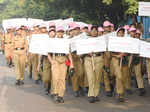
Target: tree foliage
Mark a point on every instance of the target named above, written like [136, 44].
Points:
[90, 11]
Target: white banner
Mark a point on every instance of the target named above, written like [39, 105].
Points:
[58, 45]
[145, 49]
[144, 8]
[122, 44]
[39, 44]
[85, 46]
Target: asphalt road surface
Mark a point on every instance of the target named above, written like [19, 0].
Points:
[31, 98]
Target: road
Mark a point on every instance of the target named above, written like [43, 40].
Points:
[31, 98]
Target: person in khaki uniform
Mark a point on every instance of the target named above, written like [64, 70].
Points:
[20, 47]
[8, 46]
[34, 58]
[93, 64]
[107, 60]
[118, 62]
[78, 78]
[46, 73]
[136, 64]
[59, 70]
[52, 34]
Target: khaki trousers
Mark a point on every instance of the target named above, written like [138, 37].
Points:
[94, 76]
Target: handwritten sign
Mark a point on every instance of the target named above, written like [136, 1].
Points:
[145, 49]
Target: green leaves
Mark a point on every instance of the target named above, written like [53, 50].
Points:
[107, 2]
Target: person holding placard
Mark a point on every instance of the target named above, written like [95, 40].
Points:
[107, 59]
[136, 64]
[35, 57]
[118, 63]
[20, 46]
[78, 78]
[44, 64]
[93, 64]
[59, 70]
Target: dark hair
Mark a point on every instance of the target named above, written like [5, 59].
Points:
[94, 26]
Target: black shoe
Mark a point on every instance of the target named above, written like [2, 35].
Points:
[37, 82]
[61, 100]
[30, 76]
[21, 83]
[91, 99]
[52, 96]
[76, 94]
[82, 93]
[97, 99]
[120, 98]
[17, 82]
[86, 89]
[57, 99]
[109, 94]
[129, 92]
[47, 92]
[141, 91]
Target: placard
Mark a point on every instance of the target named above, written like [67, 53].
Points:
[124, 44]
[145, 49]
[91, 45]
[39, 44]
[58, 45]
[144, 9]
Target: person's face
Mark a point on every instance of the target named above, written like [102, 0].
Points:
[60, 34]
[132, 33]
[85, 30]
[100, 33]
[18, 32]
[43, 30]
[71, 33]
[94, 32]
[120, 33]
[112, 28]
[77, 31]
[52, 34]
[107, 29]
[137, 35]
[36, 28]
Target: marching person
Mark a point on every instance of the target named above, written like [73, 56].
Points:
[78, 78]
[20, 46]
[8, 46]
[135, 64]
[117, 63]
[59, 69]
[107, 59]
[35, 57]
[46, 66]
[93, 64]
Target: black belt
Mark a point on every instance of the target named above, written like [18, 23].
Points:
[19, 48]
[58, 54]
[7, 42]
[94, 55]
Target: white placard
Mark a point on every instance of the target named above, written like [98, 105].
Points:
[58, 45]
[39, 44]
[74, 39]
[85, 46]
[122, 44]
[145, 49]
[144, 8]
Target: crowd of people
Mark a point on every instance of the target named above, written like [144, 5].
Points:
[84, 73]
